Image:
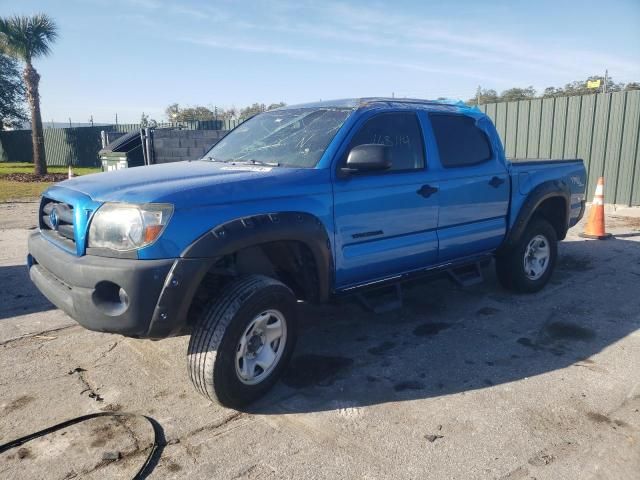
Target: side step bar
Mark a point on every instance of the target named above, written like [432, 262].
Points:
[467, 275]
[389, 297]
[382, 304]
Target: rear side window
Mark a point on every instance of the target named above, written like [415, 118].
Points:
[398, 131]
[460, 141]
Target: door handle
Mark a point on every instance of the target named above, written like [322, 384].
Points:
[426, 191]
[495, 182]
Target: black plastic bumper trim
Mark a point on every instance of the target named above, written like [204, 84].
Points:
[69, 282]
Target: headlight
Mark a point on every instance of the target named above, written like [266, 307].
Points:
[123, 226]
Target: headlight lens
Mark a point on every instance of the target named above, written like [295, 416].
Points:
[123, 226]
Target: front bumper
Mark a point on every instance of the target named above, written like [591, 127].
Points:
[136, 298]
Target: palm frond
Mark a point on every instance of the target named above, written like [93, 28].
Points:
[27, 37]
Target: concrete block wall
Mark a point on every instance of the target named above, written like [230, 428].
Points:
[177, 145]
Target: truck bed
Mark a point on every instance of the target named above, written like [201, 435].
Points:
[526, 174]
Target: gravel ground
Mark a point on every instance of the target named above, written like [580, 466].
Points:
[460, 383]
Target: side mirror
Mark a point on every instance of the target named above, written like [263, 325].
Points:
[366, 158]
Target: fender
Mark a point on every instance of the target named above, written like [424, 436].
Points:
[254, 230]
[542, 192]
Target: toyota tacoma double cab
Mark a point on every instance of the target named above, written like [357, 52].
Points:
[302, 203]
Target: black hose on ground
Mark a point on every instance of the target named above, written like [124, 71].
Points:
[149, 463]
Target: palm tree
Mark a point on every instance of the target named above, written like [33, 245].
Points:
[26, 38]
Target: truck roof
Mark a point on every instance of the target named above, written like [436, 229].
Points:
[364, 102]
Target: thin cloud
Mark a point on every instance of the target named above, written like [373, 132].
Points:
[346, 29]
[171, 7]
[377, 27]
[328, 57]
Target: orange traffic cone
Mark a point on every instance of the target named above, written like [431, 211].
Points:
[595, 223]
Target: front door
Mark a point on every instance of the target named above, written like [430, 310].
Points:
[386, 221]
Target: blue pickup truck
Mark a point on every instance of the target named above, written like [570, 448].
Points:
[302, 203]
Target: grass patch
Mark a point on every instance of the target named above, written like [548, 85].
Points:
[11, 190]
[23, 167]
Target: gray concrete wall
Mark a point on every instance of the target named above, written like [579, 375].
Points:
[177, 145]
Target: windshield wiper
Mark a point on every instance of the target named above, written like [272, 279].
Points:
[269, 164]
[218, 160]
[249, 161]
[258, 162]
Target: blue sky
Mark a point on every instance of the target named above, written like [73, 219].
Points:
[134, 56]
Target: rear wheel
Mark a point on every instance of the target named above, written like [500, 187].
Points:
[243, 340]
[528, 265]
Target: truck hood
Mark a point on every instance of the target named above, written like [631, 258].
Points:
[197, 183]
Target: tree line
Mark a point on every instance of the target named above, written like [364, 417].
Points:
[578, 87]
[176, 113]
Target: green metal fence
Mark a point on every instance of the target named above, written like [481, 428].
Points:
[602, 129]
[63, 146]
[72, 146]
[15, 146]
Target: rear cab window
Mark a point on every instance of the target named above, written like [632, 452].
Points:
[460, 142]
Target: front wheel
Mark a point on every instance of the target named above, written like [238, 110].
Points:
[243, 340]
[528, 265]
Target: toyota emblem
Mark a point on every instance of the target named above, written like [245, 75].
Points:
[53, 218]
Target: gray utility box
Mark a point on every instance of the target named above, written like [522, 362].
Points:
[113, 161]
[124, 152]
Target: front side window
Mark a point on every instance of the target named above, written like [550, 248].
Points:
[294, 137]
[398, 131]
[460, 141]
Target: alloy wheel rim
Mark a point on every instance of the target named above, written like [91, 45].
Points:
[536, 257]
[260, 347]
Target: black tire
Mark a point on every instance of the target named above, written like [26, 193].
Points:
[217, 332]
[510, 264]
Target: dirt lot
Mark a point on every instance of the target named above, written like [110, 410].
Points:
[460, 383]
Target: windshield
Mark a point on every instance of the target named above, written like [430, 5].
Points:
[295, 137]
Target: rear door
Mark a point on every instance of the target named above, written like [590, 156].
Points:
[474, 187]
[386, 221]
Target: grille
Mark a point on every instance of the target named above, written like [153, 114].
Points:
[56, 222]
